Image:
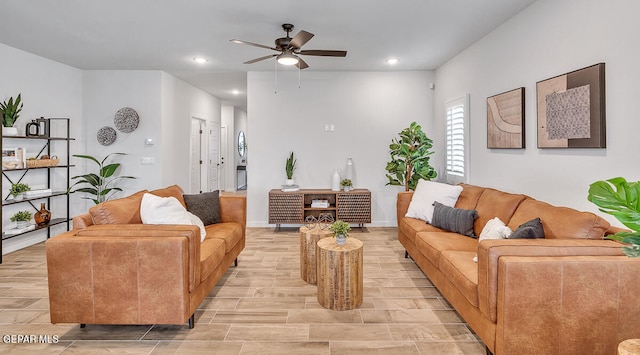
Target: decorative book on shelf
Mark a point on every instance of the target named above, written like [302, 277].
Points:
[319, 203]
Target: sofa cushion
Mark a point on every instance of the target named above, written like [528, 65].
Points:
[456, 220]
[167, 210]
[431, 244]
[428, 192]
[462, 272]
[494, 203]
[229, 232]
[494, 229]
[584, 225]
[124, 210]
[212, 251]
[469, 196]
[529, 230]
[205, 205]
[411, 226]
[171, 191]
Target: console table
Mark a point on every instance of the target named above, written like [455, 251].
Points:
[293, 207]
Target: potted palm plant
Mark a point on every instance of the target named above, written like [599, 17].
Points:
[21, 218]
[289, 168]
[340, 231]
[10, 111]
[101, 185]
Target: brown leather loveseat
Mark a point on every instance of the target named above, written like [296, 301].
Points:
[569, 293]
[124, 272]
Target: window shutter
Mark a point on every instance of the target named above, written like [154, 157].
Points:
[455, 140]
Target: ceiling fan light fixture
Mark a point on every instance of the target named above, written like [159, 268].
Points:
[287, 59]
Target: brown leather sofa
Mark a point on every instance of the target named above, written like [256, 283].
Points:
[569, 293]
[124, 272]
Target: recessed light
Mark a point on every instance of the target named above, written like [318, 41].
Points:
[392, 61]
[200, 60]
[235, 92]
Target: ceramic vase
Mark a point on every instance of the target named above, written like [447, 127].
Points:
[289, 182]
[21, 224]
[9, 131]
[335, 181]
[350, 172]
[43, 216]
[341, 239]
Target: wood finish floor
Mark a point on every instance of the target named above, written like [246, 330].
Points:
[260, 307]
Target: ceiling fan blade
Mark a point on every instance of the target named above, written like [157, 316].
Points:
[323, 53]
[259, 59]
[302, 64]
[300, 39]
[251, 44]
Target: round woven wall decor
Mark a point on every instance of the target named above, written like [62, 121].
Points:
[126, 120]
[106, 135]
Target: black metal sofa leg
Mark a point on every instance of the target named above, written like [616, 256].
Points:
[406, 254]
[192, 321]
[82, 325]
[235, 262]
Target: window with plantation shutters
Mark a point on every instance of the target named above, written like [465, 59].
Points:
[456, 127]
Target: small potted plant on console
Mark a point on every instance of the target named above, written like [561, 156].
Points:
[18, 190]
[346, 184]
[21, 218]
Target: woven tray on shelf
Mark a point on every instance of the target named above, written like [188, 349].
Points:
[41, 163]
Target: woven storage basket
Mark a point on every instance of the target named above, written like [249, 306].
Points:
[41, 163]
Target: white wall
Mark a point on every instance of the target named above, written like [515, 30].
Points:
[48, 89]
[368, 109]
[549, 38]
[180, 102]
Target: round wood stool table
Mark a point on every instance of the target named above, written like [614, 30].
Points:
[339, 274]
[629, 347]
[308, 239]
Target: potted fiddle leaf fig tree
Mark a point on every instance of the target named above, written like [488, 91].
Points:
[410, 158]
[101, 185]
[620, 199]
[10, 111]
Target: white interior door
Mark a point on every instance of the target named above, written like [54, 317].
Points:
[214, 157]
[195, 158]
[223, 153]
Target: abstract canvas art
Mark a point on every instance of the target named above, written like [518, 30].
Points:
[505, 120]
[571, 109]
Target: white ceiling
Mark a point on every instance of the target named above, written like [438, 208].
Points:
[168, 34]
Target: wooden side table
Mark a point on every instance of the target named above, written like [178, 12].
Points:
[339, 274]
[629, 347]
[308, 240]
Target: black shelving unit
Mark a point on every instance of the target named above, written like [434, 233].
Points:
[11, 176]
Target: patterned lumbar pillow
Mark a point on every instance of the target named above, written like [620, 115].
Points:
[454, 219]
[529, 230]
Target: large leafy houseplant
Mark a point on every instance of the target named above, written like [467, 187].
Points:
[101, 185]
[11, 111]
[410, 158]
[620, 199]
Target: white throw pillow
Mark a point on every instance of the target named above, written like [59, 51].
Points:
[167, 210]
[494, 229]
[428, 192]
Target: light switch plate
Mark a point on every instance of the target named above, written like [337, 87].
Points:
[147, 160]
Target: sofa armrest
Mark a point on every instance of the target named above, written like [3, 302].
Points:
[122, 274]
[491, 251]
[566, 304]
[402, 204]
[82, 221]
[234, 209]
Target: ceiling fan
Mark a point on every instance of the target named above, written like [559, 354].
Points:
[290, 49]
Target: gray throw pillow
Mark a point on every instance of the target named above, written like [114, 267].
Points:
[454, 219]
[205, 205]
[529, 230]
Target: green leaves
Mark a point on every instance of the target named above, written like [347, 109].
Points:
[290, 166]
[11, 111]
[100, 185]
[410, 158]
[620, 199]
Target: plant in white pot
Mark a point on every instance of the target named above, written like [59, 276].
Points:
[10, 111]
[18, 190]
[340, 231]
[346, 184]
[21, 218]
[289, 168]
